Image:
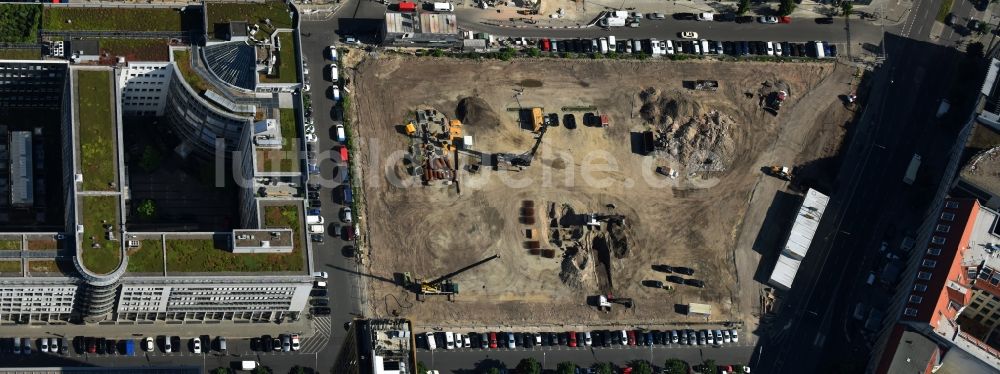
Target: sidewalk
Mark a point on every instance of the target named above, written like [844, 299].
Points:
[120, 331]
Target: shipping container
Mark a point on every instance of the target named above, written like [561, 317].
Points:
[444, 7]
[407, 6]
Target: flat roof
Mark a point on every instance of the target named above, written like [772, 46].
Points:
[273, 238]
[87, 47]
[913, 353]
[21, 170]
[806, 221]
[784, 272]
[420, 23]
[983, 171]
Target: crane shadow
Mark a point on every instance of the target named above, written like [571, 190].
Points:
[372, 276]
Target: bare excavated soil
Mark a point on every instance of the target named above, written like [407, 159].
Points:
[552, 263]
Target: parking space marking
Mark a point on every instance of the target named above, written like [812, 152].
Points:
[322, 327]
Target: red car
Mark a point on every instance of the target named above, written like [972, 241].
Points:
[493, 340]
[631, 337]
[572, 339]
[545, 45]
[785, 19]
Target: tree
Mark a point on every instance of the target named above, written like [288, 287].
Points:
[846, 7]
[675, 366]
[743, 7]
[786, 7]
[492, 371]
[566, 367]
[534, 52]
[421, 368]
[298, 370]
[220, 371]
[437, 52]
[974, 50]
[709, 367]
[529, 366]
[641, 367]
[605, 368]
[262, 370]
[147, 208]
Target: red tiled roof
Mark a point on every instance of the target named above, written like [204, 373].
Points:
[948, 267]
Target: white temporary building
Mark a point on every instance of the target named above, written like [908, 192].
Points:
[799, 239]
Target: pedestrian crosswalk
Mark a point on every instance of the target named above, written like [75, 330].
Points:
[322, 329]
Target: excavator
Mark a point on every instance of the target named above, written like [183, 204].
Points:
[780, 172]
[442, 285]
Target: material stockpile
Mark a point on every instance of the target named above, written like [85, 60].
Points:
[696, 138]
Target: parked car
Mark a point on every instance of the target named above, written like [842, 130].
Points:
[510, 341]
[744, 19]
[688, 35]
[345, 214]
[493, 340]
[735, 336]
[824, 20]
[572, 338]
[694, 283]
[196, 345]
[767, 19]
[657, 16]
[685, 16]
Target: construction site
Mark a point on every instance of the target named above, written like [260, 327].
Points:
[546, 192]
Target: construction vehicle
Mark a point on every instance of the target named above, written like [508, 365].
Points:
[781, 172]
[536, 119]
[411, 130]
[706, 85]
[443, 285]
[604, 302]
[774, 100]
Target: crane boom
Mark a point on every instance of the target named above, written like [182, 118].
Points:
[462, 270]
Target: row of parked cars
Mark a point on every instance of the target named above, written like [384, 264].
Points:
[43, 345]
[695, 46]
[599, 338]
[281, 343]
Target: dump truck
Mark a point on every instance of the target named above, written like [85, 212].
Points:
[536, 118]
[775, 99]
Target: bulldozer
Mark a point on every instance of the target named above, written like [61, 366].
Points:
[781, 172]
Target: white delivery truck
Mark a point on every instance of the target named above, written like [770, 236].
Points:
[818, 47]
[314, 220]
[444, 7]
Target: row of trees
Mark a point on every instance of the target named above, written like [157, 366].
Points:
[786, 7]
[532, 366]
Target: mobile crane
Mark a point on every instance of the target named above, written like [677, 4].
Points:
[443, 285]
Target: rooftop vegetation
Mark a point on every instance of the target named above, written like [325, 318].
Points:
[19, 23]
[148, 258]
[100, 255]
[137, 49]
[183, 60]
[96, 131]
[285, 70]
[108, 19]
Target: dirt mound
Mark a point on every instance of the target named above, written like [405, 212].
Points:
[476, 112]
[662, 109]
[693, 136]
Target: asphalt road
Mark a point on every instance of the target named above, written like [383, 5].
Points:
[457, 361]
[870, 202]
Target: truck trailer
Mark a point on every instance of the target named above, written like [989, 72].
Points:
[911, 171]
[612, 22]
[444, 7]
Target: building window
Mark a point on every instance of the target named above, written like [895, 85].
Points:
[948, 216]
[910, 312]
[942, 228]
[938, 240]
[928, 263]
[914, 299]
[934, 251]
[920, 287]
[974, 305]
[924, 275]
[951, 204]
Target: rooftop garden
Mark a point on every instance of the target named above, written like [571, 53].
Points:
[137, 49]
[148, 258]
[96, 130]
[255, 13]
[205, 255]
[183, 60]
[42, 266]
[20, 54]
[10, 266]
[44, 244]
[118, 19]
[19, 23]
[286, 159]
[100, 255]
[285, 70]
[10, 245]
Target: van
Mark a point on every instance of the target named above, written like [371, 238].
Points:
[871, 278]
[604, 45]
[704, 46]
[612, 45]
[248, 365]
[341, 134]
[334, 73]
[637, 46]
[444, 7]
[316, 229]
[314, 220]
[770, 48]
[431, 344]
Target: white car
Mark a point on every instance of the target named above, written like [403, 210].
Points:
[167, 347]
[735, 336]
[770, 49]
[431, 344]
[43, 345]
[688, 35]
[637, 15]
[510, 341]
[349, 39]
[335, 92]
[767, 19]
[312, 138]
[726, 337]
[333, 52]
[777, 49]
[657, 16]
[449, 340]
[345, 215]
[334, 72]
[586, 339]
[466, 341]
[669, 46]
[196, 345]
[149, 346]
[706, 16]
[295, 342]
[321, 274]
